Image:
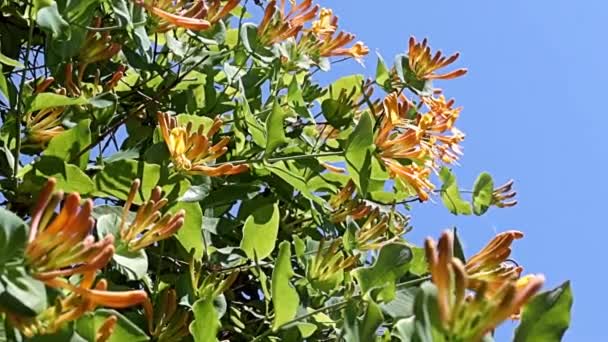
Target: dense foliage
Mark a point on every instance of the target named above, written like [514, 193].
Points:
[171, 170]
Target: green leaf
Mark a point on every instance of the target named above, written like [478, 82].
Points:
[358, 153]
[68, 144]
[115, 179]
[49, 19]
[364, 328]
[249, 36]
[338, 114]
[403, 304]
[260, 232]
[190, 235]
[482, 193]
[546, 317]
[50, 100]
[124, 330]
[291, 172]
[393, 262]
[133, 265]
[382, 73]
[9, 61]
[205, 326]
[275, 132]
[4, 90]
[450, 195]
[21, 293]
[13, 234]
[284, 296]
[70, 178]
[349, 85]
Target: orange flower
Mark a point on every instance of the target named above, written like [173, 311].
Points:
[413, 175]
[106, 329]
[191, 151]
[345, 205]
[470, 317]
[423, 64]
[441, 115]
[61, 245]
[322, 41]
[278, 25]
[43, 125]
[97, 47]
[149, 225]
[168, 321]
[192, 15]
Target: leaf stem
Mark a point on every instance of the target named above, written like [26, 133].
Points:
[18, 107]
[278, 159]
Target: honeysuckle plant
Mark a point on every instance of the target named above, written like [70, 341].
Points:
[174, 171]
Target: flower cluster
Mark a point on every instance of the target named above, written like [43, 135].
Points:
[423, 64]
[168, 321]
[149, 225]
[320, 40]
[61, 246]
[98, 46]
[191, 151]
[412, 144]
[497, 291]
[43, 125]
[193, 15]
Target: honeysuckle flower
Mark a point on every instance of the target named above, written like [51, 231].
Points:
[278, 25]
[191, 150]
[322, 40]
[98, 46]
[328, 264]
[149, 225]
[423, 64]
[62, 245]
[344, 205]
[469, 317]
[194, 15]
[376, 231]
[81, 299]
[106, 329]
[503, 193]
[412, 175]
[43, 125]
[168, 321]
[489, 265]
[441, 115]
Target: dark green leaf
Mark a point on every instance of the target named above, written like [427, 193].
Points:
[13, 235]
[361, 328]
[22, 293]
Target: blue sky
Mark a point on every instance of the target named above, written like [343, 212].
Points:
[532, 112]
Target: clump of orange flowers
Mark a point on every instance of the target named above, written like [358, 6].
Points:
[319, 40]
[149, 225]
[423, 63]
[497, 291]
[193, 15]
[191, 150]
[61, 246]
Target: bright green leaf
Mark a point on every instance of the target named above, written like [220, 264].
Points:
[284, 296]
[115, 179]
[359, 152]
[49, 100]
[190, 235]
[9, 61]
[393, 261]
[450, 194]
[546, 317]
[70, 178]
[205, 326]
[482, 193]
[68, 144]
[13, 234]
[275, 131]
[260, 232]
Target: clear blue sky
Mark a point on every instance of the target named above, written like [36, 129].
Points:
[532, 112]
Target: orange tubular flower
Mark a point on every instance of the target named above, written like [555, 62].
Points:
[278, 25]
[469, 318]
[327, 44]
[61, 246]
[345, 205]
[181, 13]
[413, 175]
[45, 124]
[149, 225]
[97, 47]
[423, 64]
[191, 151]
[106, 329]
